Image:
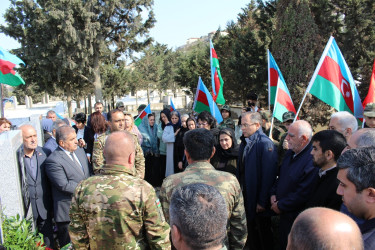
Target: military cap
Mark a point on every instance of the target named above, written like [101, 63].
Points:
[287, 116]
[141, 107]
[266, 115]
[369, 110]
[227, 108]
[119, 104]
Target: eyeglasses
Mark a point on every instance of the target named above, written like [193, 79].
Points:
[202, 124]
[247, 125]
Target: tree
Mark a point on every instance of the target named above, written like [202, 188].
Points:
[70, 39]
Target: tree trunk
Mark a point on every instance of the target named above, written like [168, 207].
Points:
[160, 95]
[97, 80]
[78, 101]
[69, 102]
[136, 98]
[85, 105]
[90, 104]
[148, 94]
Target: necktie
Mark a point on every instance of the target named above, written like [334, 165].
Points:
[76, 163]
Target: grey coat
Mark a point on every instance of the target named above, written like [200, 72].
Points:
[65, 176]
[36, 192]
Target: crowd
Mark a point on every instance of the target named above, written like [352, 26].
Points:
[184, 181]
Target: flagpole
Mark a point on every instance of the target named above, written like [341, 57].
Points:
[2, 104]
[325, 52]
[269, 81]
[271, 127]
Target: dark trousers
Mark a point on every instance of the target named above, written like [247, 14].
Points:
[260, 234]
[286, 222]
[63, 233]
[152, 170]
[162, 167]
[45, 228]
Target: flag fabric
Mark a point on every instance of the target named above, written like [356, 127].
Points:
[142, 115]
[371, 91]
[204, 102]
[217, 80]
[274, 75]
[8, 75]
[333, 83]
[282, 99]
[172, 107]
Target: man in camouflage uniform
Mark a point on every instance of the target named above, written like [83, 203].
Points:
[199, 148]
[117, 210]
[227, 120]
[116, 119]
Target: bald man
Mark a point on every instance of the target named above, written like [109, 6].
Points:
[117, 209]
[36, 190]
[323, 228]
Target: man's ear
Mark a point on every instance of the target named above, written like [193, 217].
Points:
[329, 155]
[176, 236]
[370, 195]
[347, 132]
[187, 155]
[213, 152]
[305, 138]
[131, 158]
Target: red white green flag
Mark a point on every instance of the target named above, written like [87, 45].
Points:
[142, 115]
[8, 75]
[333, 83]
[370, 98]
[217, 80]
[282, 99]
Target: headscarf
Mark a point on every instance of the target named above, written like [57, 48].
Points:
[150, 139]
[178, 124]
[232, 152]
[167, 113]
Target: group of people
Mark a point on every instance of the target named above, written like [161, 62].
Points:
[100, 181]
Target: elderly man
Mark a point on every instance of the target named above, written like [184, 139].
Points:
[256, 172]
[357, 188]
[35, 187]
[327, 147]
[116, 120]
[198, 217]
[343, 122]
[199, 148]
[51, 143]
[362, 138]
[51, 115]
[130, 214]
[65, 168]
[323, 228]
[296, 180]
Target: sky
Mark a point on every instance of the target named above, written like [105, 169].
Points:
[176, 20]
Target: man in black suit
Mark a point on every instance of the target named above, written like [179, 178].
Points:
[35, 187]
[327, 147]
[65, 167]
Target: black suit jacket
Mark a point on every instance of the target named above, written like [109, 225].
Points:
[65, 176]
[36, 192]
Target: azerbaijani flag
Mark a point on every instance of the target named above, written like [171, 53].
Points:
[142, 115]
[7, 74]
[371, 91]
[172, 108]
[282, 99]
[333, 83]
[217, 81]
[203, 101]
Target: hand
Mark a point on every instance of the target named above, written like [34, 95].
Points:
[260, 209]
[178, 130]
[273, 199]
[81, 143]
[275, 208]
[179, 165]
[88, 158]
[285, 145]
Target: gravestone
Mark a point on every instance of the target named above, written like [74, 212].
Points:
[10, 188]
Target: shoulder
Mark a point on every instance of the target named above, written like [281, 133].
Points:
[44, 151]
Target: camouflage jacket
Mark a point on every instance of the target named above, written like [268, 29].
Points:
[228, 186]
[227, 123]
[98, 157]
[117, 210]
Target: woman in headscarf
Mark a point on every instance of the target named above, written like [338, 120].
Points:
[169, 137]
[149, 131]
[130, 127]
[227, 151]
[165, 118]
[179, 145]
